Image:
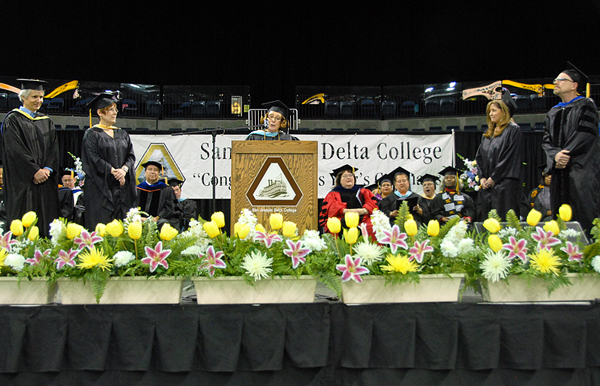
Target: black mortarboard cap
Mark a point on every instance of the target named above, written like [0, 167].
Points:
[32, 84]
[449, 170]
[381, 180]
[175, 182]
[101, 101]
[337, 171]
[578, 76]
[509, 102]
[428, 177]
[155, 163]
[399, 170]
[68, 172]
[278, 106]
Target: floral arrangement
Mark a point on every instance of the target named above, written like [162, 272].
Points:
[400, 252]
[548, 252]
[120, 248]
[469, 178]
[78, 173]
[257, 253]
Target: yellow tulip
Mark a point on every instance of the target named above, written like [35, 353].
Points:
[534, 217]
[334, 225]
[351, 235]
[565, 212]
[218, 218]
[34, 232]
[101, 229]
[492, 225]
[410, 226]
[73, 230]
[276, 221]
[433, 228]
[135, 230]
[260, 228]
[241, 230]
[28, 219]
[288, 229]
[16, 227]
[495, 243]
[552, 226]
[351, 219]
[212, 229]
[167, 232]
[114, 228]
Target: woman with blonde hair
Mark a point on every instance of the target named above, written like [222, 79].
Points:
[499, 159]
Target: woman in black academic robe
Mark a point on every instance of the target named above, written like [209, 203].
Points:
[108, 162]
[275, 121]
[499, 160]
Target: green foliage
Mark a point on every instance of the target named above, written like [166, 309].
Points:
[403, 215]
[493, 214]
[513, 221]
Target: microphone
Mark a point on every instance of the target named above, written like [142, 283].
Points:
[266, 123]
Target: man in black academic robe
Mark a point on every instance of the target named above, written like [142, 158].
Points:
[157, 198]
[30, 159]
[187, 208]
[572, 149]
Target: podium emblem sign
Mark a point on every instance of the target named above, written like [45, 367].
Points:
[274, 185]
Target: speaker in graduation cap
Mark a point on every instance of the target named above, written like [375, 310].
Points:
[276, 122]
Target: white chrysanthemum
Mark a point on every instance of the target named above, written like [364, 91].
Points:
[257, 265]
[465, 246]
[194, 250]
[595, 263]
[123, 258]
[448, 248]
[312, 240]
[195, 230]
[56, 229]
[495, 266]
[15, 261]
[505, 233]
[569, 233]
[381, 223]
[369, 253]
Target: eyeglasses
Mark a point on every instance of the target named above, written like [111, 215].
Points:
[562, 79]
[347, 175]
[273, 117]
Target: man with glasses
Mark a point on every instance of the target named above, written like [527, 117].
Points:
[572, 149]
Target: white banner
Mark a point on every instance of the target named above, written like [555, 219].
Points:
[188, 157]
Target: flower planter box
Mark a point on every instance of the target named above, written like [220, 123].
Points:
[124, 290]
[234, 290]
[585, 287]
[35, 291]
[431, 288]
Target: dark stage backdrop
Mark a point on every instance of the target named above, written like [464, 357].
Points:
[466, 144]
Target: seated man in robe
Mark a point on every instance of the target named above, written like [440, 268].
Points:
[450, 202]
[429, 184]
[156, 197]
[188, 208]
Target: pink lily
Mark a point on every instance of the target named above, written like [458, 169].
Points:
[212, 260]
[517, 249]
[296, 252]
[6, 242]
[156, 257]
[352, 269]
[37, 257]
[267, 238]
[394, 238]
[419, 250]
[544, 239]
[86, 239]
[573, 252]
[66, 258]
[363, 230]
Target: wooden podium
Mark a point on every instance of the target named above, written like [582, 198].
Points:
[275, 177]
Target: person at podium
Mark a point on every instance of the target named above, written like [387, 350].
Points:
[276, 120]
[346, 196]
